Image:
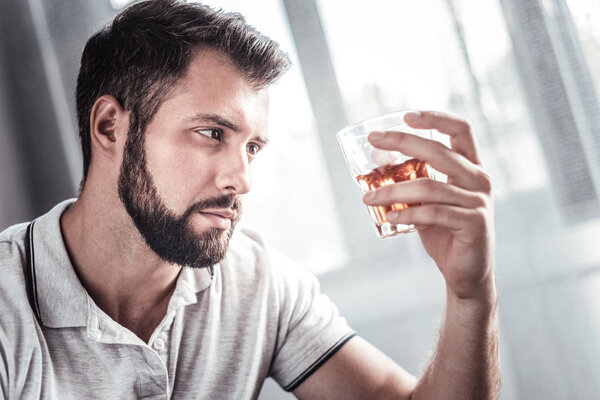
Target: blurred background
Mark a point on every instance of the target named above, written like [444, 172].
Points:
[525, 73]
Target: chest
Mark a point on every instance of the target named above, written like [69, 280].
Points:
[199, 354]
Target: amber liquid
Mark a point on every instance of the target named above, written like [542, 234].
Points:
[388, 175]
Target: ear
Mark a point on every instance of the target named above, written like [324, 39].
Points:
[109, 124]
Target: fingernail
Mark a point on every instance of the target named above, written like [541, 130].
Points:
[369, 196]
[412, 116]
[393, 214]
[376, 135]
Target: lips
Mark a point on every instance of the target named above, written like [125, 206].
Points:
[223, 212]
[219, 218]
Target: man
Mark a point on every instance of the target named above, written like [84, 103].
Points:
[139, 288]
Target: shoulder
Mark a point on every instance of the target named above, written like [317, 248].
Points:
[13, 292]
[17, 321]
[12, 254]
[14, 234]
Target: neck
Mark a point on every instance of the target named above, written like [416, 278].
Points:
[125, 278]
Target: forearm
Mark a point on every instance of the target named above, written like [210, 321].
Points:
[465, 364]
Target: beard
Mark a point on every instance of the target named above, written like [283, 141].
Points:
[170, 236]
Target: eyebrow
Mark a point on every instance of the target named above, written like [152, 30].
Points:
[222, 121]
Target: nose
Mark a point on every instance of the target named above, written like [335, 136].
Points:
[233, 173]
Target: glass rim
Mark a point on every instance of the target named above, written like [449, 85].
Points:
[348, 129]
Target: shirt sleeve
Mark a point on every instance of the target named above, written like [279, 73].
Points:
[310, 328]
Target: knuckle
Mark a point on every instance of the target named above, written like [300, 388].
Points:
[426, 186]
[434, 114]
[397, 135]
[435, 211]
[485, 180]
[481, 200]
[384, 193]
[480, 217]
[377, 194]
[466, 125]
[440, 147]
[462, 122]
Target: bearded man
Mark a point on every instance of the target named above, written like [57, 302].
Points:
[140, 288]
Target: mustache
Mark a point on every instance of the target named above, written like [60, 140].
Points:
[225, 201]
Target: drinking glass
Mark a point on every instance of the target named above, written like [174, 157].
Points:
[373, 168]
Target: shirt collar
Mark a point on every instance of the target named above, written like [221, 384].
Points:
[63, 301]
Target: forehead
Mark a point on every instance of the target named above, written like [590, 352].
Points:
[213, 85]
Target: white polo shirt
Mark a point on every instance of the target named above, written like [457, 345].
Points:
[223, 335]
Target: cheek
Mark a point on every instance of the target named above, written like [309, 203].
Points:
[179, 175]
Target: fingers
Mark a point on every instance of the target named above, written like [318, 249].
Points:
[461, 136]
[425, 191]
[464, 203]
[468, 221]
[461, 172]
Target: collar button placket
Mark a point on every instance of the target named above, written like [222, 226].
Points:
[159, 344]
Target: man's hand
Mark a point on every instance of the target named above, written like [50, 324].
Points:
[458, 216]
[460, 238]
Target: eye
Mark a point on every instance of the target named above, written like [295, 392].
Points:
[216, 134]
[253, 148]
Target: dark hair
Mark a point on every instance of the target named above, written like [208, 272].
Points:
[147, 48]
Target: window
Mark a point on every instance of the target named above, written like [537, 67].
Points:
[291, 201]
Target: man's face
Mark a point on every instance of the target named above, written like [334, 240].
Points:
[182, 180]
